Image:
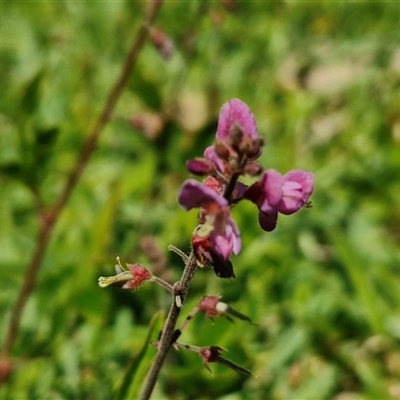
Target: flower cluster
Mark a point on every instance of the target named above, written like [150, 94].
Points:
[236, 149]
[234, 154]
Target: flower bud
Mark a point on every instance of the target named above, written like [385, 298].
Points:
[253, 169]
[235, 136]
[200, 166]
[252, 147]
[222, 151]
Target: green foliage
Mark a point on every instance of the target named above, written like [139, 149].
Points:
[323, 81]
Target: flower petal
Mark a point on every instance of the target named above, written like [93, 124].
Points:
[211, 155]
[305, 178]
[297, 189]
[194, 194]
[200, 166]
[234, 112]
[235, 236]
[272, 182]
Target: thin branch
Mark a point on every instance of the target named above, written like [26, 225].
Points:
[165, 342]
[180, 253]
[162, 283]
[50, 219]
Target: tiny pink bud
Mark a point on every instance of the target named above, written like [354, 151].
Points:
[208, 304]
[235, 135]
[253, 169]
[222, 151]
[200, 166]
[252, 147]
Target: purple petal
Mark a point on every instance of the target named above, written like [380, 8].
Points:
[228, 240]
[211, 155]
[272, 182]
[240, 189]
[225, 235]
[236, 240]
[200, 166]
[194, 194]
[236, 112]
[267, 221]
[305, 178]
[223, 246]
[297, 189]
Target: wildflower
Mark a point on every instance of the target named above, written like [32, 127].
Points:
[275, 193]
[217, 236]
[131, 279]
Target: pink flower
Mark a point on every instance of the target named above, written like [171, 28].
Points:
[275, 193]
[217, 236]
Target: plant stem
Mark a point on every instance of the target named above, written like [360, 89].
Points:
[51, 217]
[165, 342]
[162, 283]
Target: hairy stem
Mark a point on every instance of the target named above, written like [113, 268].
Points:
[169, 328]
[50, 218]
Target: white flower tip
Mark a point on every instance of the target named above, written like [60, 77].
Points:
[221, 307]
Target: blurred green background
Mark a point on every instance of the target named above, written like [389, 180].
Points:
[322, 80]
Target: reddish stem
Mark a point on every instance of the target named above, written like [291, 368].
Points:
[51, 217]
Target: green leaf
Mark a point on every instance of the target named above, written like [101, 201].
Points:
[31, 97]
